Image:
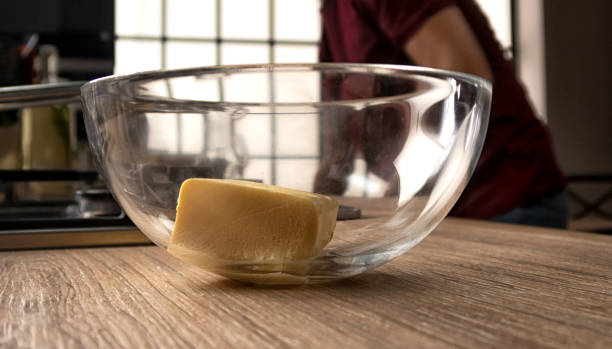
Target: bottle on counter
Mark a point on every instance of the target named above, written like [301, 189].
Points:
[45, 135]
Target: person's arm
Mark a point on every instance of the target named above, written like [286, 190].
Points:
[446, 41]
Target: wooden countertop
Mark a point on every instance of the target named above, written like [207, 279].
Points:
[469, 284]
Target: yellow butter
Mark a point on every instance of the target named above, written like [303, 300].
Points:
[237, 221]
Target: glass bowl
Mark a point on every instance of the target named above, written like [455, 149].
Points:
[394, 145]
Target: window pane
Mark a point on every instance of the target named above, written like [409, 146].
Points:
[292, 87]
[187, 54]
[296, 54]
[247, 88]
[498, 12]
[297, 135]
[193, 88]
[191, 18]
[242, 19]
[138, 17]
[296, 174]
[192, 133]
[162, 134]
[254, 132]
[137, 55]
[244, 53]
[259, 169]
[297, 20]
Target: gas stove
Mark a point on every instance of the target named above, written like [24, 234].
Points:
[89, 217]
[42, 208]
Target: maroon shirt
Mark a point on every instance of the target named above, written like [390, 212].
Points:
[517, 165]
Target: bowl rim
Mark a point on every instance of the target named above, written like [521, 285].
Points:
[374, 68]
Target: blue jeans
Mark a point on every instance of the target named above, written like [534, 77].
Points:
[550, 212]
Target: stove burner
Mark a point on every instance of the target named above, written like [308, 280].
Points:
[92, 207]
[97, 202]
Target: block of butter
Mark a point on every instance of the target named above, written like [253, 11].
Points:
[221, 220]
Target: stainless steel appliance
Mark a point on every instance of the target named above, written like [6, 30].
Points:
[82, 212]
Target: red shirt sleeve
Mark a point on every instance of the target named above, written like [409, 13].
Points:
[400, 19]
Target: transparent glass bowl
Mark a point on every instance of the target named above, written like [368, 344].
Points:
[394, 145]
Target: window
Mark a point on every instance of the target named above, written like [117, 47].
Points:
[166, 34]
[187, 33]
[499, 13]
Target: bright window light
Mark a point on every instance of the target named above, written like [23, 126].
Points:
[197, 33]
[499, 14]
[191, 18]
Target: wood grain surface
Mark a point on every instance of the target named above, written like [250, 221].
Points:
[468, 285]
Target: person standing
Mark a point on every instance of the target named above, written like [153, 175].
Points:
[517, 178]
